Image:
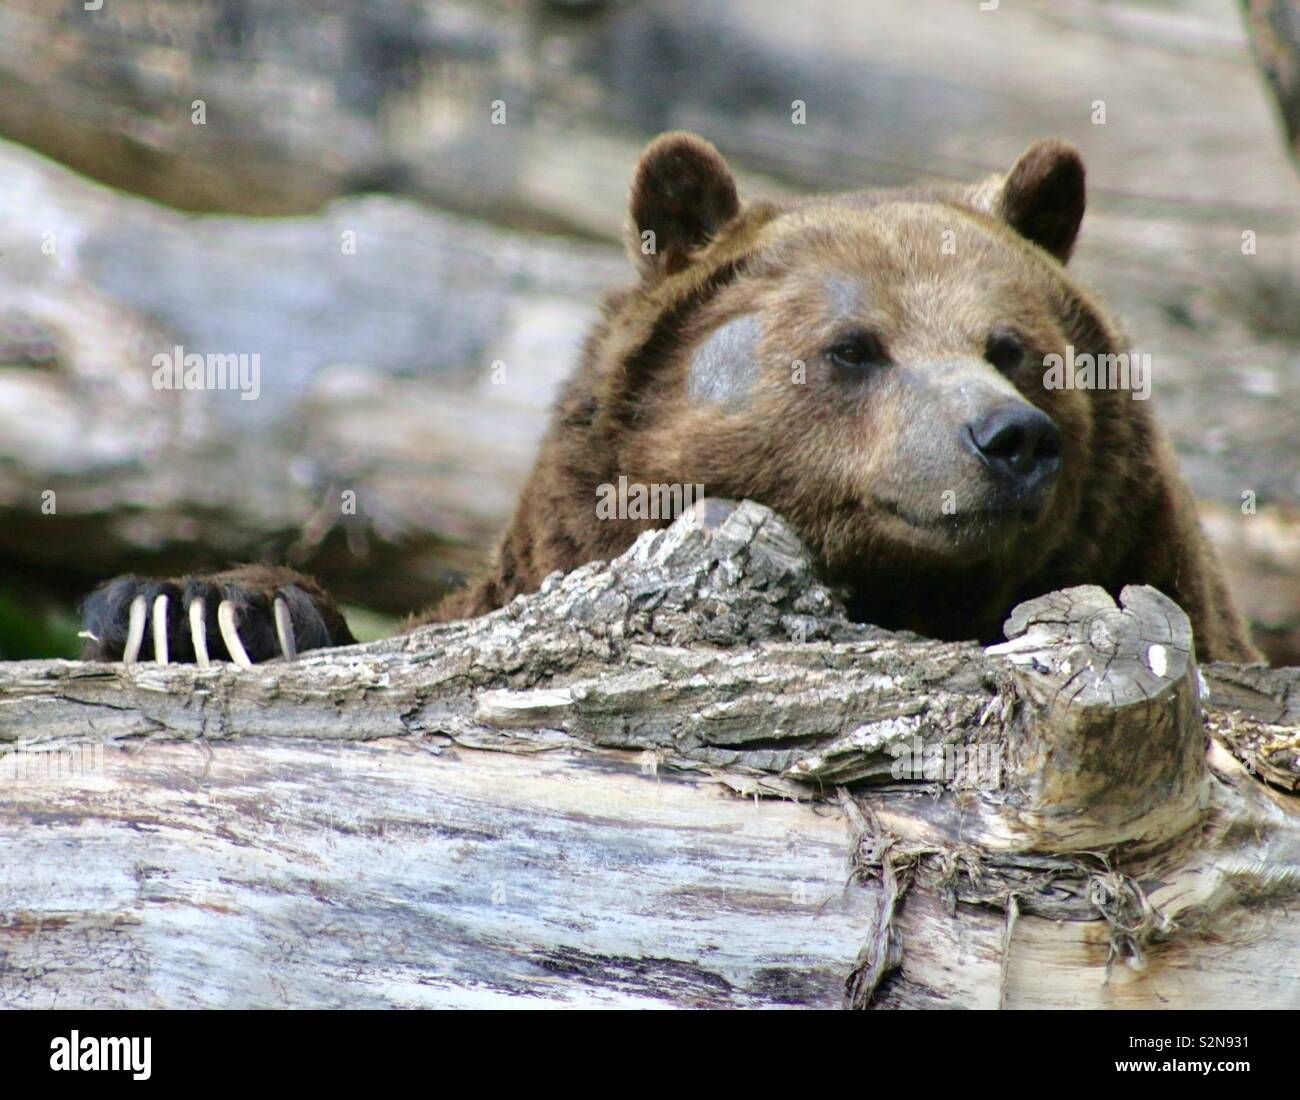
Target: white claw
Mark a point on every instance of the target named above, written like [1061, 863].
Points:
[230, 634]
[134, 631]
[284, 629]
[160, 629]
[199, 630]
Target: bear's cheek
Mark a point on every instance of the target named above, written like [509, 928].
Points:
[911, 451]
[723, 371]
[879, 454]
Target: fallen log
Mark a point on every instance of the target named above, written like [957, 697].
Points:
[683, 778]
[378, 366]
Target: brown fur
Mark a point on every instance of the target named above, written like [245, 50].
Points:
[842, 359]
[848, 463]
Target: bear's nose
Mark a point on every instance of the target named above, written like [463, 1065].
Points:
[1020, 442]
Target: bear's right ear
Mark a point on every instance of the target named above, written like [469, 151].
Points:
[1043, 196]
[683, 193]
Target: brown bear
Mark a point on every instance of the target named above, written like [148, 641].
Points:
[875, 366]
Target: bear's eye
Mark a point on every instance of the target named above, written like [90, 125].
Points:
[1005, 349]
[857, 350]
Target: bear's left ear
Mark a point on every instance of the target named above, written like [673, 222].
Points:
[683, 193]
[1043, 196]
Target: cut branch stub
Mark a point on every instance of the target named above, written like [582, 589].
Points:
[1109, 747]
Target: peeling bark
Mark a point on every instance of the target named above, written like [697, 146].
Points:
[543, 804]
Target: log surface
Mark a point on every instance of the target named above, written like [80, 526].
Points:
[682, 778]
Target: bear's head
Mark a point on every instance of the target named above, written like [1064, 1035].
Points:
[870, 365]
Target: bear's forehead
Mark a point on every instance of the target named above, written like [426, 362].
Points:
[845, 259]
[931, 278]
[931, 235]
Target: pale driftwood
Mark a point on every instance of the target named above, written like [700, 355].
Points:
[684, 779]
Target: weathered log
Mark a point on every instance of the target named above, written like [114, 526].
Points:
[680, 778]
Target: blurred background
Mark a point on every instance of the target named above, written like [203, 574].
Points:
[322, 183]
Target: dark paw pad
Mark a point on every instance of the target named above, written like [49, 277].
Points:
[247, 616]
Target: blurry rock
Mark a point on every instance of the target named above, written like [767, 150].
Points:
[404, 356]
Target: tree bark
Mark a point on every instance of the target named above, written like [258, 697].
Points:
[681, 778]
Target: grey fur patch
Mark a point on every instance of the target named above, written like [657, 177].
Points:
[725, 367]
[844, 294]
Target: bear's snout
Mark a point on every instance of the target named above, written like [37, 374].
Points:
[1020, 446]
